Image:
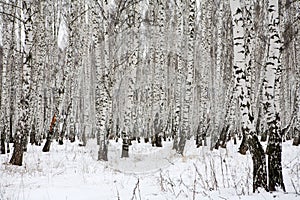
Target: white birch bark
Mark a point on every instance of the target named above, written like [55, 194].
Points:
[241, 55]
[85, 83]
[217, 77]
[40, 68]
[72, 64]
[103, 104]
[272, 98]
[297, 62]
[205, 36]
[5, 79]
[24, 123]
[130, 113]
[159, 76]
[179, 74]
[152, 89]
[186, 110]
[156, 9]
[17, 69]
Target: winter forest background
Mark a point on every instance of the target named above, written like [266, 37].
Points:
[124, 82]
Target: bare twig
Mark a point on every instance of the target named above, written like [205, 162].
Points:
[213, 173]
[194, 188]
[200, 175]
[137, 187]
[293, 184]
[10, 4]
[172, 163]
[161, 182]
[222, 170]
[168, 183]
[13, 16]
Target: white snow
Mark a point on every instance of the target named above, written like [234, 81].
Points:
[70, 172]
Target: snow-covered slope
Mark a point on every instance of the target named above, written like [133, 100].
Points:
[70, 172]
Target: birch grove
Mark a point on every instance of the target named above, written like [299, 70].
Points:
[152, 71]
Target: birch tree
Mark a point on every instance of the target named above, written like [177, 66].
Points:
[96, 42]
[6, 52]
[101, 90]
[24, 123]
[38, 68]
[160, 74]
[272, 96]
[130, 112]
[243, 93]
[179, 75]
[186, 121]
[297, 88]
[217, 77]
[206, 39]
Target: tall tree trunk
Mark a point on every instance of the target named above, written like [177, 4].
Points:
[160, 71]
[272, 99]
[240, 70]
[4, 80]
[2, 139]
[38, 74]
[206, 39]
[179, 75]
[102, 95]
[130, 112]
[186, 121]
[72, 64]
[24, 123]
[6, 72]
[217, 77]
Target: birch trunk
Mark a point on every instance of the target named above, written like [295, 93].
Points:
[186, 110]
[103, 104]
[24, 123]
[240, 70]
[179, 75]
[271, 103]
[40, 58]
[5, 80]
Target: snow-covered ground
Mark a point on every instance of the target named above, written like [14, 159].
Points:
[70, 172]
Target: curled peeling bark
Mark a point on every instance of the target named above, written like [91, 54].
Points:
[50, 134]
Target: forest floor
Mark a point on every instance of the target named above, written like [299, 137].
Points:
[70, 172]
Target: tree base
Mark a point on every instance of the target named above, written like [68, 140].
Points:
[47, 145]
[259, 164]
[125, 151]
[17, 157]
